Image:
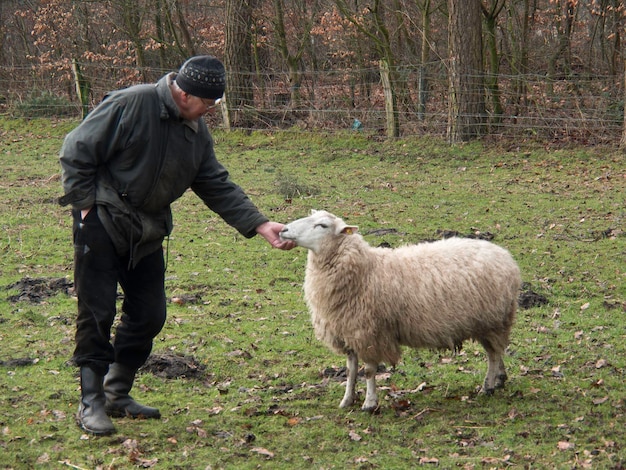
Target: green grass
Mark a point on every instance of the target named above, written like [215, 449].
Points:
[265, 400]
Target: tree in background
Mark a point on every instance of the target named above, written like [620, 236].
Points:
[371, 22]
[131, 14]
[342, 47]
[491, 12]
[519, 25]
[172, 31]
[564, 16]
[305, 13]
[239, 61]
[554, 64]
[466, 105]
[422, 87]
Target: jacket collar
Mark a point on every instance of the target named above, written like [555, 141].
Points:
[167, 103]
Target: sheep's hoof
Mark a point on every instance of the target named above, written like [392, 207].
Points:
[346, 403]
[489, 391]
[500, 379]
[369, 407]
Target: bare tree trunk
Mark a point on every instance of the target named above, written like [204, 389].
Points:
[389, 69]
[520, 26]
[239, 62]
[424, 59]
[292, 60]
[466, 107]
[173, 22]
[565, 23]
[160, 31]
[491, 16]
[622, 142]
[292, 50]
[2, 35]
[184, 30]
[618, 22]
[131, 14]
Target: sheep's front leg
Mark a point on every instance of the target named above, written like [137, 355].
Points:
[352, 365]
[371, 400]
[496, 373]
[501, 375]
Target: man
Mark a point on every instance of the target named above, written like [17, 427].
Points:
[122, 167]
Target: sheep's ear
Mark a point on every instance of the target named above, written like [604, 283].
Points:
[350, 229]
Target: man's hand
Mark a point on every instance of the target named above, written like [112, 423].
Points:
[271, 232]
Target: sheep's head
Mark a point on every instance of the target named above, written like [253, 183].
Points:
[316, 230]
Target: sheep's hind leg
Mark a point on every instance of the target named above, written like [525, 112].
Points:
[352, 366]
[371, 400]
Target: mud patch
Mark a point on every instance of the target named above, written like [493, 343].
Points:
[384, 231]
[18, 362]
[36, 290]
[476, 235]
[174, 366]
[442, 234]
[612, 305]
[529, 299]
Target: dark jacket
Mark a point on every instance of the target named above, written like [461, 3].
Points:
[133, 156]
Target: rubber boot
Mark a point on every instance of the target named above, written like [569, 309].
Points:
[117, 385]
[92, 416]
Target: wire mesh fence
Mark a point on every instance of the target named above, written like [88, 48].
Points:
[580, 109]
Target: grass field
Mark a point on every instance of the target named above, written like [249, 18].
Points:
[239, 377]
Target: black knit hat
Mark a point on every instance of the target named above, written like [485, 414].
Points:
[203, 76]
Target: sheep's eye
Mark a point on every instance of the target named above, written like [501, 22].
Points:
[320, 225]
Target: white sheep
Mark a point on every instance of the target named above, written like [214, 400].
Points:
[367, 302]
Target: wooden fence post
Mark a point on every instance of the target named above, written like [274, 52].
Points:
[391, 116]
[82, 88]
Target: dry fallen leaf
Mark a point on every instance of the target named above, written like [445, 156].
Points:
[599, 401]
[354, 436]
[145, 463]
[130, 444]
[262, 451]
[294, 421]
[556, 372]
[565, 445]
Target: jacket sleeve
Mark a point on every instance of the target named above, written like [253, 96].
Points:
[86, 149]
[224, 197]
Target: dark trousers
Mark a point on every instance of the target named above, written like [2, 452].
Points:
[98, 270]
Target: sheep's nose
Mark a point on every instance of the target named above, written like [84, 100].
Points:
[284, 230]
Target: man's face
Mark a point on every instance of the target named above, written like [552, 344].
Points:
[196, 107]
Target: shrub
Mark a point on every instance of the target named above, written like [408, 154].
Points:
[290, 187]
[44, 104]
